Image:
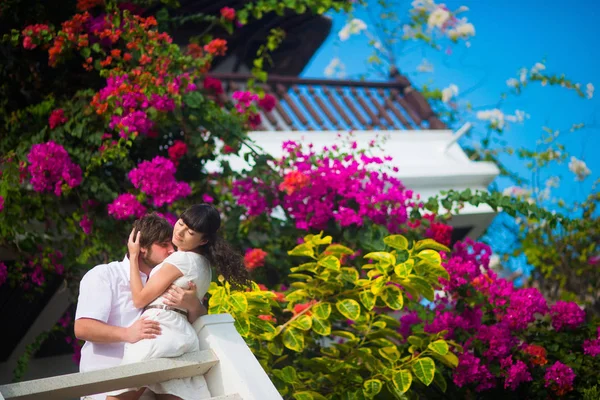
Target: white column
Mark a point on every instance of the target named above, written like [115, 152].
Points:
[237, 371]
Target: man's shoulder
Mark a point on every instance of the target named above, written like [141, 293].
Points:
[110, 270]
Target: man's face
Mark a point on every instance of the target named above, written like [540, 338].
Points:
[157, 253]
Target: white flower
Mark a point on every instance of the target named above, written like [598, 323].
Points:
[589, 88]
[523, 75]
[519, 116]
[438, 18]
[423, 5]
[512, 82]
[354, 27]
[335, 68]
[465, 30]
[495, 116]
[461, 9]
[408, 32]
[553, 182]
[518, 192]
[449, 92]
[579, 168]
[425, 66]
[537, 68]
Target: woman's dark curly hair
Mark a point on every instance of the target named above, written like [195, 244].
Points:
[205, 219]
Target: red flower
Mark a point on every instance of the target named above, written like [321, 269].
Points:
[228, 13]
[83, 5]
[213, 84]
[194, 50]
[216, 47]
[298, 308]
[293, 181]
[254, 120]
[279, 296]
[254, 258]
[268, 318]
[267, 103]
[57, 117]
[177, 150]
[537, 353]
[441, 233]
[227, 149]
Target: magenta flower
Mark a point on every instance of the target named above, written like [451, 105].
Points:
[51, 167]
[559, 377]
[156, 178]
[3, 273]
[125, 206]
[566, 314]
[516, 374]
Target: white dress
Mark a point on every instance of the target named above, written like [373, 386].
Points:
[177, 334]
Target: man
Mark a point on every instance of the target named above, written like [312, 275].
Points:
[106, 317]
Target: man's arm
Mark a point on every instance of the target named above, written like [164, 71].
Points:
[178, 297]
[92, 330]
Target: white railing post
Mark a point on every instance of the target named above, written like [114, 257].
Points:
[238, 371]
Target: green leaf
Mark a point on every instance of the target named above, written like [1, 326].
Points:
[367, 298]
[304, 249]
[402, 380]
[348, 308]
[382, 257]
[404, 269]
[275, 347]
[389, 353]
[303, 396]
[431, 256]
[321, 326]
[372, 387]
[397, 242]
[439, 346]
[293, 339]
[392, 297]
[440, 381]
[424, 369]
[242, 325]
[239, 302]
[288, 374]
[430, 244]
[449, 359]
[303, 322]
[330, 262]
[422, 286]
[321, 310]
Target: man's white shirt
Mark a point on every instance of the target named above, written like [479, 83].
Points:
[105, 295]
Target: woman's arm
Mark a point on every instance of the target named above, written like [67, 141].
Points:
[144, 295]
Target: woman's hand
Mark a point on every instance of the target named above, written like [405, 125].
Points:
[133, 244]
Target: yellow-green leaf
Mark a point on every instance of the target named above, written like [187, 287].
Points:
[303, 396]
[321, 310]
[382, 257]
[310, 266]
[289, 374]
[449, 359]
[389, 353]
[397, 242]
[368, 299]
[344, 334]
[303, 322]
[392, 297]
[402, 380]
[422, 286]
[293, 339]
[242, 325]
[304, 249]
[348, 308]
[349, 274]
[430, 244]
[321, 326]
[424, 369]
[338, 250]
[378, 285]
[431, 256]
[330, 262]
[439, 346]
[275, 347]
[405, 268]
[372, 387]
[318, 240]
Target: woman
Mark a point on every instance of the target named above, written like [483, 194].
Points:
[199, 247]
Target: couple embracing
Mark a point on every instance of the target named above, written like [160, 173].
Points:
[143, 307]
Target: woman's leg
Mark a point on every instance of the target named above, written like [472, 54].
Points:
[133, 395]
[166, 397]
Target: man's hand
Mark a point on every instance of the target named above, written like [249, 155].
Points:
[143, 328]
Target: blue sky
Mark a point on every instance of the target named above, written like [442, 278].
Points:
[510, 34]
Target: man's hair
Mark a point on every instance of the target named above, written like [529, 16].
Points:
[154, 228]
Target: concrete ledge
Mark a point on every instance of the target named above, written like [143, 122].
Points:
[124, 376]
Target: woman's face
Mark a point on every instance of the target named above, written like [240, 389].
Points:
[186, 239]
